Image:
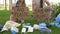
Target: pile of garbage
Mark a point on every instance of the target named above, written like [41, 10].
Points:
[12, 26]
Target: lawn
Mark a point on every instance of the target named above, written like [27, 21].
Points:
[4, 16]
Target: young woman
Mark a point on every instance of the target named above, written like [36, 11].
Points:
[40, 5]
[18, 10]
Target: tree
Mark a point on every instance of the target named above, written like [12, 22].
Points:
[5, 5]
[10, 4]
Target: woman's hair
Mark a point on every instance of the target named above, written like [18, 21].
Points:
[19, 1]
[41, 3]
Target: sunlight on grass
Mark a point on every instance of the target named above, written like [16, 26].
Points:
[2, 7]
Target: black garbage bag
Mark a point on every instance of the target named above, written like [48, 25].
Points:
[1, 26]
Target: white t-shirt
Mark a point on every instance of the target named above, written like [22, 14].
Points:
[37, 2]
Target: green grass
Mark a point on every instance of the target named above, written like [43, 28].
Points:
[4, 16]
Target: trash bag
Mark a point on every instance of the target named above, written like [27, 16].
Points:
[46, 30]
[52, 23]
[1, 26]
[57, 25]
[58, 18]
[13, 32]
[42, 25]
[35, 26]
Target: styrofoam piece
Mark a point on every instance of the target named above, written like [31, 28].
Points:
[35, 26]
[30, 29]
[23, 30]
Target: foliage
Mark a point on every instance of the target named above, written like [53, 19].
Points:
[55, 11]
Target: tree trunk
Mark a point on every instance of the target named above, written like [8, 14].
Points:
[5, 5]
[10, 4]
